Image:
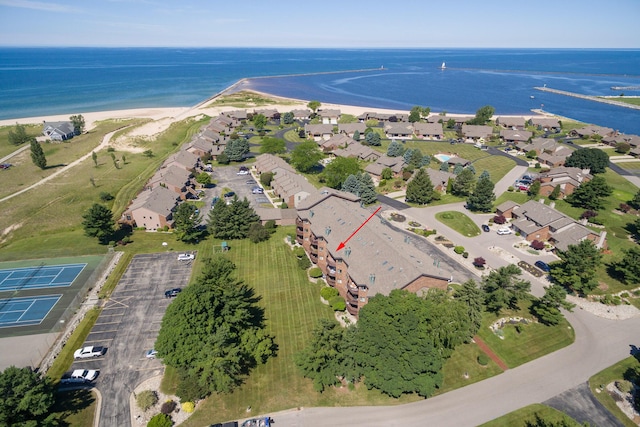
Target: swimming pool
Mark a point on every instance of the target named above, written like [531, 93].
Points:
[442, 157]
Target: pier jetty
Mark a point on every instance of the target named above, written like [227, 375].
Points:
[588, 97]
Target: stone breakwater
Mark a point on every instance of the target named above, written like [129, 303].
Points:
[588, 97]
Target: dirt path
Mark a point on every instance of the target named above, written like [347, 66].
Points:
[103, 144]
[485, 348]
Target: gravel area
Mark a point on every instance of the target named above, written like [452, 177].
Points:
[141, 418]
[615, 312]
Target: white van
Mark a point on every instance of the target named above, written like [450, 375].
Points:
[186, 257]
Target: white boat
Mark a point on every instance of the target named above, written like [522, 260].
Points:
[443, 66]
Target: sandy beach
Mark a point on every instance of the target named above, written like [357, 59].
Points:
[162, 118]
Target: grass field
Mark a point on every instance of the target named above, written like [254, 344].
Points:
[6, 147]
[626, 100]
[459, 222]
[526, 417]
[534, 341]
[613, 373]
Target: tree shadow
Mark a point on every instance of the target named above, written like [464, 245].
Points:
[59, 165]
[71, 402]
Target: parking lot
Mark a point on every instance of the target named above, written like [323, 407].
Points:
[227, 177]
[128, 326]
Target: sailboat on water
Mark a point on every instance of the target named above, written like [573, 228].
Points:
[443, 66]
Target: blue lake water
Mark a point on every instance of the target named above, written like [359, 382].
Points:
[44, 81]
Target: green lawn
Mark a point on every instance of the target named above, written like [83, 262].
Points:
[526, 417]
[632, 101]
[77, 407]
[613, 373]
[515, 196]
[7, 148]
[534, 341]
[459, 222]
[632, 166]
[462, 368]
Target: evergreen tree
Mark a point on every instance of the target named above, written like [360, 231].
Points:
[555, 193]
[482, 197]
[463, 183]
[590, 195]
[426, 161]
[457, 169]
[472, 169]
[577, 267]
[356, 135]
[635, 202]
[98, 222]
[373, 138]
[231, 221]
[351, 185]
[503, 288]
[27, 398]
[94, 157]
[395, 149]
[534, 189]
[236, 149]
[547, 308]
[18, 135]
[407, 155]
[415, 114]
[37, 154]
[415, 161]
[420, 189]
[367, 189]
[288, 118]
[628, 268]
[473, 297]
[444, 166]
[387, 173]
[186, 223]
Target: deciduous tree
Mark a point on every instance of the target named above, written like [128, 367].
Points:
[78, 123]
[273, 145]
[314, 105]
[339, 169]
[98, 222]
[18, 135]
[259, 121]
[305, 156]
[203, 179]
[27, 398]
[483, 115]
[594, 159]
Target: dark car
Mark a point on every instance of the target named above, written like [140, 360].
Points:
[230, 194]
[485, 228]
[543, 266]
[172, 292]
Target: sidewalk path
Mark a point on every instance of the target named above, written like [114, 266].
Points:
[15, 153]
[487, 350]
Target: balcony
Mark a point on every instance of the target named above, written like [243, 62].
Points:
[314, 249]
[331, 281]
[314, 240]
[331, 264]
[352, 299]
[314, 257]
[299, 239]
[351, 287]
[352, 310]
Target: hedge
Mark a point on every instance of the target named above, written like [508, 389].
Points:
[328, 292]
[315, 272]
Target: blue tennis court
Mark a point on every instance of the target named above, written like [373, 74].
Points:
[48, 276]
[25, 311]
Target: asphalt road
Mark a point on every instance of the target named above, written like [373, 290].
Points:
[128, 326]
[227, 177]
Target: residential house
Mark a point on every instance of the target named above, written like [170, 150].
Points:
[431, 131]
[301, 114]
[270, 162]
[455, 160]
[184, 159]
[152, 209]
[511, 122]
[398, 130]
[58, 131]
[511, 136]
[279, 216]
[329, 116]
[477, 133]
[377, 260]
[396, 164]
[548, 124]
[537, 221]
[568, 179]
[175, 179]
[291, 187]
[383, 117]
[269, 113]
[591, 130]
[238, 115]
[335, 142]
[539, 145]
[555, 157]
[201, 147]
[632, 140]
[359, 151]
[318, 132]
[350, 129]
[439, 179]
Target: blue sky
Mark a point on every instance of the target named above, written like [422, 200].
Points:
[322, 23]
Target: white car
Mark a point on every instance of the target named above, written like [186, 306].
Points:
[151, 354]
[504, 230]
[243, 172]
[80, 376]
[186, 257]
[90, 351]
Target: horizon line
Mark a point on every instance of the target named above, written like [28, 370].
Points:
[308, 47]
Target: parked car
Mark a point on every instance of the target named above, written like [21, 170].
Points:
[250, 182]
[214, 201]
[504, 230]
[543, 266]
[172, 292]
[242, 172]
[150, 354]
[523, 187]
[229, 194]
[257, 190]
[485, 228]
[258, 422]
[186, 257]
[80, 376]
[89, 351]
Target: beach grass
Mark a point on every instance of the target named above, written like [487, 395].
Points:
[525, 417]
[459, 222]
[625, 99]
[619, 371]
[249, 99]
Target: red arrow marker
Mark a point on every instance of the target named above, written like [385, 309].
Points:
[341, 245]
